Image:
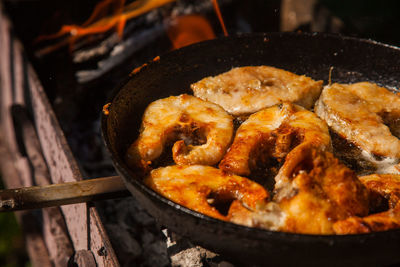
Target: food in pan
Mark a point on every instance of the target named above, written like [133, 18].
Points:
[312, 192]
[384, 193]
[368, 116]
[273, 134]
[197, 187]
[319, 192]
[245, 90]
[201, 132]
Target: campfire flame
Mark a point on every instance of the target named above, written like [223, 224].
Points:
[113, 14]
[219, 15]
[98, 23]
[190, 29]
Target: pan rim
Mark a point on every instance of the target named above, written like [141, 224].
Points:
[118, 88]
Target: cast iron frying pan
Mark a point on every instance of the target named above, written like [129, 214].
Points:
[310, 54]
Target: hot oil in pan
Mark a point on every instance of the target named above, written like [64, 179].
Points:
[351, 155]
[265, 169]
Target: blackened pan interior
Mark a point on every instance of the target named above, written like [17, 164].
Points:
[310, 54]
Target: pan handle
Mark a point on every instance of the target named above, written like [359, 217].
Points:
[37, 197]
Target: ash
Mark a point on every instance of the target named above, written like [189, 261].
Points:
[134, 234]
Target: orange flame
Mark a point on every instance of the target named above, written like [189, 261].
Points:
[219, 15]
[189, 29]
[104, 8]
[184, 31]
[97, 23]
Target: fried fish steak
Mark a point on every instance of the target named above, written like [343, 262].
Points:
[365, 114]
[320, 192]
[245, 90]
[380, 186]
[273, 134]
[202, 188]
[200, 132]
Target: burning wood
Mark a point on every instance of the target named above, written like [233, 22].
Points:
[97, 49]
[182, 23]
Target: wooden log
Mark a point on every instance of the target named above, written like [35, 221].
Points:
[37, 197]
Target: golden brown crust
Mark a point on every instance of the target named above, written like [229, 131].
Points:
[321, 192]
[388, 187]
[274, 134]
[382, 221]
[203, 130]
[358, 112]
[245, 90]
[314, 192]
[196, 185]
